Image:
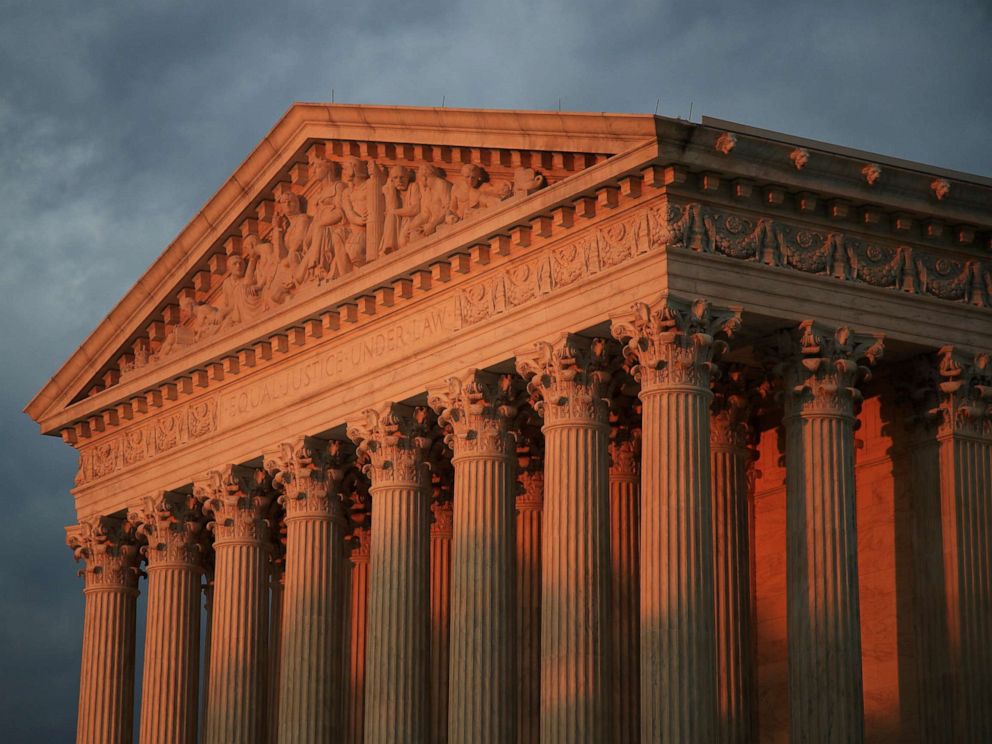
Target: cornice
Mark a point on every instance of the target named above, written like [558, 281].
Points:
[751, 182]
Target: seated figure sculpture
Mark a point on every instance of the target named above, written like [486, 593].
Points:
[402, 208]
[435, 197]
[328, 218]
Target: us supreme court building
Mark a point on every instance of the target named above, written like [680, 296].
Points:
[467, 426]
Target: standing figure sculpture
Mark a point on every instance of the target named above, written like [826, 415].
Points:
[350, 249]
[241, 293]
[328, 218]
[289, 232]
[402, 207]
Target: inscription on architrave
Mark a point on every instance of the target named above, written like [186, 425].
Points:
[186, 424]
[351, 360]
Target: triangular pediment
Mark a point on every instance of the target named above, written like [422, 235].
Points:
[330, 191]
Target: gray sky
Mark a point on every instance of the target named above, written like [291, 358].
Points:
[118, 120]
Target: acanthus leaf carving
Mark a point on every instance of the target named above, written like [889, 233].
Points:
[965, 392]
[568, 378]
[236, 500]
[820, 367]
[109, 548]
[172, 524]
[733, 403]
[392, 441]
[476, 409]
[309, 474]
[673, 342]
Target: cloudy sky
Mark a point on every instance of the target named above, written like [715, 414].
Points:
[118, 120]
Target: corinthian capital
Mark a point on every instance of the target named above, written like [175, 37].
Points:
[568, 377]
[237, 503]
[733, 403]
[673, 342]
[964, 385]
[393, 439]
[820, 367]
[172, 523]
[309, 473]
[109, 548]
[476, 407]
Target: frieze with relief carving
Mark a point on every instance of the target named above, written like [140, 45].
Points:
[160, 434]
[351, 212]
[832, 253]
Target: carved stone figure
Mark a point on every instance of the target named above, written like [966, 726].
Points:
[356, 200]
[240, 291]
[402, 207]
[275, 273]
[435, 196]
[289, 232]
[472, 193]
[328, 218]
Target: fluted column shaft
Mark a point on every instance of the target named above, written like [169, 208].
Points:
[106, 681]
[236, 690]
[170, 684]
[825, 684]
[397, 661]
[354, 693]
[731, 459]
[440, 568]
[309, 473]
[625, 494]
[966, 526]
[576, 664]
[678, 653]
[528, 530]
[673, 343]
[964, 437]
[473, 408]
[274, 663]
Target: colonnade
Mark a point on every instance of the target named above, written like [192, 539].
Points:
[596, 534]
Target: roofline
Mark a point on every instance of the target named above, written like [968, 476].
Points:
[769, 134]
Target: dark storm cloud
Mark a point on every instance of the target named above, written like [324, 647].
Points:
[118, 120]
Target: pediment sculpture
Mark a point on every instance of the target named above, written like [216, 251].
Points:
[350, 212]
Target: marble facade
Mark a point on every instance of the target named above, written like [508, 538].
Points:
[489, 426]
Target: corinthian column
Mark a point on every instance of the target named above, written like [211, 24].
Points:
[236, 687]
[820, 372]
[396, 689]
[732, 457]
[569, 378]
[106, 680]
[530, 498]
[964, 436]
[309, 473]
[475, 407]
[441, 529]
[672, 342]
[625, 493]
[170, 684]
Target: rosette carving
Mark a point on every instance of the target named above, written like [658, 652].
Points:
[392, 440]
[820, 368]
[109, 548]
[730, 424]
[309, 473]
[172, 524]
[567, 378]
[475, 410]
[236, 502]
[674, 342]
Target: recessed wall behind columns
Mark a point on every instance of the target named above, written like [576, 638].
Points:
[885, 582]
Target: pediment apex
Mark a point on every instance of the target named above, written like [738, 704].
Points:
[286, 145]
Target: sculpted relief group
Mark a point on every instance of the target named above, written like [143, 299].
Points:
[352, 212]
